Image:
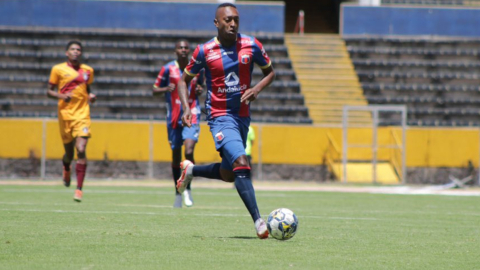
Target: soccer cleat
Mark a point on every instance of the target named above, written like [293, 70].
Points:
[261, 227]
[187, 198]
[78, 195]
[186, 175]
[66, 178]
[178, 201]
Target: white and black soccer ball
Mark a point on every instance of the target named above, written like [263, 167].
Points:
[282, 224]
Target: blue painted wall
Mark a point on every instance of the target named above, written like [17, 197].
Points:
[360, 20]
[136, 15]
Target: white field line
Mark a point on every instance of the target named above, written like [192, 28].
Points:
[133, 192]
[202, 184]
[163, 213]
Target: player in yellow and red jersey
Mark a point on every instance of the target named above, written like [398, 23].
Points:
[72, 80]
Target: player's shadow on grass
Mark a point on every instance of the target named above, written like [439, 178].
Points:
[231, 237]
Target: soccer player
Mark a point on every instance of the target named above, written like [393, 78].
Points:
[166, 83]
[73, 79]
[228, 62]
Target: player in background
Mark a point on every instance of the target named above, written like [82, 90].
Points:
[72, 80]
[166, 83]
[228, 62]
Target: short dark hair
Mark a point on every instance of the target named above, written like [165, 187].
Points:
[181, 40]
[226, 5]
[70, 43]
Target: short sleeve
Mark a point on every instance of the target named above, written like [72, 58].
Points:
[197, 62]
[162, 78]
[260, 56]
[54, 79]
[91, 77]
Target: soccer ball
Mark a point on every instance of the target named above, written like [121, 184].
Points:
[282, 224]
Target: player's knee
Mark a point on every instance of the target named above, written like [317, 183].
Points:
[241, 161]
[227, 176]
[242, 173]
[81, 154]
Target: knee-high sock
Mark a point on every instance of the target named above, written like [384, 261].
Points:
[81, 170]
[244, 186]
[211, 171]
[176, 175]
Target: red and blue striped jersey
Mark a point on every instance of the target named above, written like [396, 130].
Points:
[171, 73]
[228, 73]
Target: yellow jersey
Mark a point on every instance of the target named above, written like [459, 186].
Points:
[70, 79]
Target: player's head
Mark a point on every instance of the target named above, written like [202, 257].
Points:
[74, 51]
[182, 49]
[227, 21]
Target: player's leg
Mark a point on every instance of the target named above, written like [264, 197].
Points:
[234, 152]
[175, 141]
[190, 138]
[67, 160]
[81, 166]
[68, 145]
[81, 133]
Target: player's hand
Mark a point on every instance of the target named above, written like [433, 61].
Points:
[199, 90]
[66, 97]
[171, 87]
[92, 98]
[187, 118]
[249, 95]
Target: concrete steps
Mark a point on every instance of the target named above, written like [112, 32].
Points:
[326, 76]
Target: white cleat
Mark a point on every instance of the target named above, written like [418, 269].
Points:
[261, 227]
[178, 201]
[187, 198]
[186, 175]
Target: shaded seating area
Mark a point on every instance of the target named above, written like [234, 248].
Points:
[437, 78]
[126, 64]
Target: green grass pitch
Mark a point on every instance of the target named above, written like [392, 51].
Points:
[136, 228]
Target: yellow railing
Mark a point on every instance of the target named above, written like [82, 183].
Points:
[396, 156]
[333, 154]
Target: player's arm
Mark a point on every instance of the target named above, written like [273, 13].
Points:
[91, 96]
[183, 95]
[52, 93]
[161, 90]
[252, 93]
[160, 86]
[200, 84]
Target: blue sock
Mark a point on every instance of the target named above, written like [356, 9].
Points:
[244, 186]
[176, 175]
[211, 171]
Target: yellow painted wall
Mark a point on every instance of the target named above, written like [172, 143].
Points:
[275, 144]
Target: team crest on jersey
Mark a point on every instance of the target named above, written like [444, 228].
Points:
[245, 59]
[85, 76]
[219, 136]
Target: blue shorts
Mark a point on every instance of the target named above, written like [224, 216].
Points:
[230, 136]
[177, 136]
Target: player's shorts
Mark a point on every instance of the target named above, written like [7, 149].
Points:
[71, 129]
[176, 136]
[230, 136]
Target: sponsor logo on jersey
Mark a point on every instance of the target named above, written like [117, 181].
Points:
[232, 89]
[246, 41]
[213, 56]
[232, 79]
[85, 130]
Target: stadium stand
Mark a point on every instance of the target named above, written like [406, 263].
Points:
[437, 78]
[126, 64]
